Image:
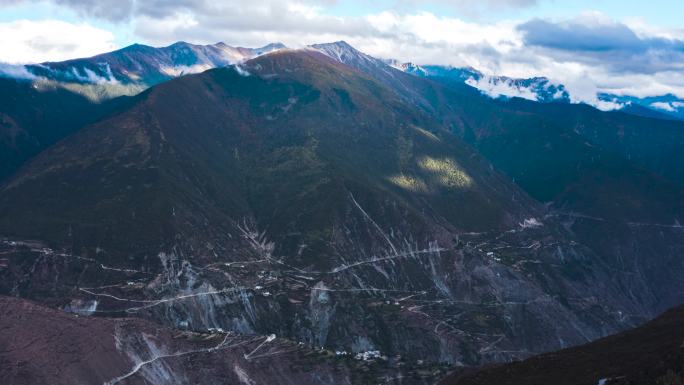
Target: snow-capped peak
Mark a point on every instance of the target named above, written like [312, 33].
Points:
[341, 51]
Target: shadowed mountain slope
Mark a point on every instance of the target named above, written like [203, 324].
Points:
[33, 116]
[40, 345]
[650, 354]
[222, 141]
[504, 129]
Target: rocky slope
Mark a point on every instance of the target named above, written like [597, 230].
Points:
[39, 345]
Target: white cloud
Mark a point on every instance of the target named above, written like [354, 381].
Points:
[495, 89]
[15, 71]
[590, 54]
[477, 9]
[670, 107]
[663, 106]
[25, 41]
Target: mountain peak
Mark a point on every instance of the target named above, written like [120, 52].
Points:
[267, 48]
[407, 67]
[345, 53]
[276, 45]
[340, 45]
[129, 48]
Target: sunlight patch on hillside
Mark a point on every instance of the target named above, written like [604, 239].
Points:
[409, 182]
[446, 171]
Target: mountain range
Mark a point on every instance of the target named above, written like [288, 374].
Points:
[146, 66]
[134, 68]
[395, 215]
[541, 89]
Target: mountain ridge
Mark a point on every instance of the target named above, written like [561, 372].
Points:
[539, 89]
[145, 65]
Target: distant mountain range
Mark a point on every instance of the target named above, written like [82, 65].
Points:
[541, 89]
[134, 68]
[537, 89]
[665, 106]
[343, 204]
[145, 65]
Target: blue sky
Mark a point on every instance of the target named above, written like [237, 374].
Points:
[665, 13]
[658, 13]
[592, 46]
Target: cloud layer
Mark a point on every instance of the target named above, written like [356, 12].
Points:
[25, 41]
[590, 53]
[595, 40]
